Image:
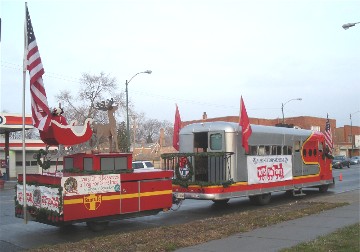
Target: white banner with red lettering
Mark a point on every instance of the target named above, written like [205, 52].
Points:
[267, 169]
[39, 196]
[83, 185]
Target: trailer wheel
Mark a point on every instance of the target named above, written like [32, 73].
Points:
[323, 188]
[252, 199]
[221, 202]
[261, 199]
[289, 193]
[97, 226]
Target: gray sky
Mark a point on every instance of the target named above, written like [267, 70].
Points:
[204, 54]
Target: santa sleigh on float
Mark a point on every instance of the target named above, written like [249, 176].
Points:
[60, 132]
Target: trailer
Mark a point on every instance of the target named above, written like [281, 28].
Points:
[93, 188]
[212, 164]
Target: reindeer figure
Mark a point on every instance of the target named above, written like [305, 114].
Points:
[107, 130]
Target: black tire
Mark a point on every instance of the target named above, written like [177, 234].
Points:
[252, 199]
[289, 193]
[97, 226]
[261, 199]
[221, 202]
[323, 188]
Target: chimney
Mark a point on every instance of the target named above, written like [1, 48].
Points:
[162, 138]
[204, 116]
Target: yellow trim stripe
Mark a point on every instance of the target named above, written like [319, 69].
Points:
[156, 193]
[111, 197]
[73, 201]
[307, 176]
[119, 196]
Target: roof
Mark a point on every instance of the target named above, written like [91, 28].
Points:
[14, 122]
[230, 127]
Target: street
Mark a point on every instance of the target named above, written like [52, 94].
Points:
[15, 235]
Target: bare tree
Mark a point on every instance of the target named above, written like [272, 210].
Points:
[93, 89]
[29, 134]
[168, 132]
[148, 130]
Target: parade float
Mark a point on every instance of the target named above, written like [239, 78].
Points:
[93, 186]
[212, 163]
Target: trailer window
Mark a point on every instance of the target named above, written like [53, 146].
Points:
[216, 141]
[320, 146]
[310, 152]
[275, 150]
[287, 150]
[261, 150]
[297, 146]
[267, 150]
[253, 150]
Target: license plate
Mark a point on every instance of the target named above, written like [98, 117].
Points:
[180, 195]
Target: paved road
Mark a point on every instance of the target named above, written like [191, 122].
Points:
[15, 235]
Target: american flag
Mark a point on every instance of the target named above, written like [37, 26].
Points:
[40, 111]
[328, 135]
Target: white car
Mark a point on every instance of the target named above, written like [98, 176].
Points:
[142, 165]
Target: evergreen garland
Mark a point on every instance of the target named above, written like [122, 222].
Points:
[92, 172]
[43, 164]
[195, 154]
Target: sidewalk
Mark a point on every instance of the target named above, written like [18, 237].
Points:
[289, 233]
[9, 184]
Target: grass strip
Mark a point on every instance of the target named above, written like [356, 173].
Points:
[170, 238]
[344, 239]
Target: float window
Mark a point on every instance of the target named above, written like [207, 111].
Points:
[88, 164]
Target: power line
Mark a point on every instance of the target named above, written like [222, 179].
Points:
[52, 75]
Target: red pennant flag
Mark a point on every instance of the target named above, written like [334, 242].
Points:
[245, 126]
[177, 127]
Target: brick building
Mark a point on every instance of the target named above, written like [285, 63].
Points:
[342, 136]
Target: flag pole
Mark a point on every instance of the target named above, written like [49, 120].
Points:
[23, 119]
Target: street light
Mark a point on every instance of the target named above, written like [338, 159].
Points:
[348, 25]
[127, 108]
[351, 135]
[283, 104]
